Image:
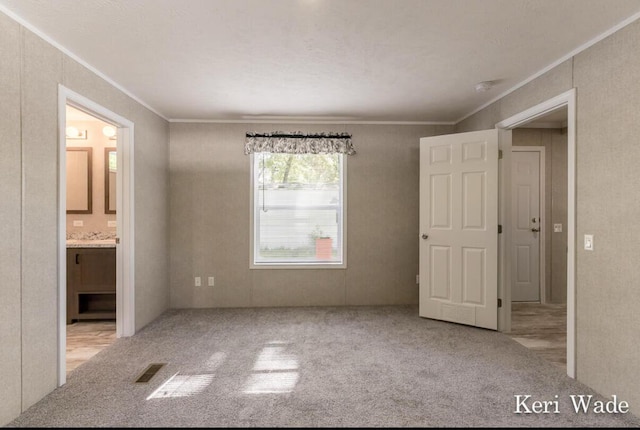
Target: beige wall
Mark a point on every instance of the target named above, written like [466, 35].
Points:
[606, 77]
[210, 227]
[97, 220]
[555, 143]
[30, 72]
[10, 222]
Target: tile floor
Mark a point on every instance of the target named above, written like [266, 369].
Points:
[541, 328]
[87, 338]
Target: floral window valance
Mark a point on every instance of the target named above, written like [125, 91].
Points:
[299, 143]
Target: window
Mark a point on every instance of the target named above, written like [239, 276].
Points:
[298, 209]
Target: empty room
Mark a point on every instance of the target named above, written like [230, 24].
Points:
[319, 213]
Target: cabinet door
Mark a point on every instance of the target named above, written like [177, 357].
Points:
[95, 270]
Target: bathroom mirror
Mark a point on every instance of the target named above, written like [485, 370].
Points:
[78, 180]
[110, 169]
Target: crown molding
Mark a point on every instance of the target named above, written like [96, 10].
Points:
[293, 121]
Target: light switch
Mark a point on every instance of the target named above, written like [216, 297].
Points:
[211, 281]
[557, 228]
[198, 282]
[588, 242]
[78, 223]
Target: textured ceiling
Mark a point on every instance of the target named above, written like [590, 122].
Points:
[358, 60]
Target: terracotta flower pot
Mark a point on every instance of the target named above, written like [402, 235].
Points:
[323, 248]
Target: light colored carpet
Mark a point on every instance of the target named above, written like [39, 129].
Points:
[313, 367]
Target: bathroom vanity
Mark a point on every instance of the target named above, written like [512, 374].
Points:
[91, 280]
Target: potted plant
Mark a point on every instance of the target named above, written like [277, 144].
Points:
[323, 243]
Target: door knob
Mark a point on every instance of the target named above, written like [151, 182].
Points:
[535, 230]
[425, 236]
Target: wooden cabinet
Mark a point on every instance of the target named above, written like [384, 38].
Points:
[91, 283]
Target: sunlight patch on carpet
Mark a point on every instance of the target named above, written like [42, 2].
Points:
[182, 386]
[276, 382]
[274, 371]
[274, 357]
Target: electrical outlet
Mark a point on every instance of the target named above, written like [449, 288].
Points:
[112, 223]
[211, 282]
[78, 223]
[557, 228]
[198, 281]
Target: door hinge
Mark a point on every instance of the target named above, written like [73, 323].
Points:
[499, 154]
[499, 228]
[499, 303]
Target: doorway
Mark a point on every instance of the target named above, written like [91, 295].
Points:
[563, 104]
[91, 173]
[539, 239]
[78, 202]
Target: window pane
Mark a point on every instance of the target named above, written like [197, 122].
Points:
[298, 208]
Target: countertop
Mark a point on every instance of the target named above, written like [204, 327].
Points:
[91, 243]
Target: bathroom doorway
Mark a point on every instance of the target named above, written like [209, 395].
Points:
[91, 173]
[96, 236]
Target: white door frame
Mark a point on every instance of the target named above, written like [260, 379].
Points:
[125, 285]
[568, 100]
[543, 230]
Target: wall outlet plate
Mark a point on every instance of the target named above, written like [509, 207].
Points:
[211, 281]
[557, 228]
[198, 281]
[112, 223]
[588, 242]
[78, 223]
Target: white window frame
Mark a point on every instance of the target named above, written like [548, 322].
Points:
[342, 228]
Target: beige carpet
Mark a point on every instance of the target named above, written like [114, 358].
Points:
[313, 367]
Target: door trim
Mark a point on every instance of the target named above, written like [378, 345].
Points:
[568, 100]
[543, 231]
[125, 255]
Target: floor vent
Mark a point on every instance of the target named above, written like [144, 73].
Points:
[150, 372]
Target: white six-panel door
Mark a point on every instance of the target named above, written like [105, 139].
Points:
[526, 226]
[459, 228]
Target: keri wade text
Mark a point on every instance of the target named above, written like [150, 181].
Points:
[581, 404]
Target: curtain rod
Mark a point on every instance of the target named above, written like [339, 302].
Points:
[301, 136]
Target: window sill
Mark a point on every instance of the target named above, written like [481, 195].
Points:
[291, 266]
